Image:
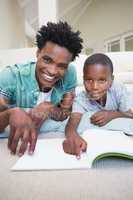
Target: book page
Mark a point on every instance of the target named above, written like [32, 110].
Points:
[104, 141]
[49, 155]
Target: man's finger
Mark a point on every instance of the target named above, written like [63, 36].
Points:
[15, 140]
[10, 138]
[33, 140]
[24, 142]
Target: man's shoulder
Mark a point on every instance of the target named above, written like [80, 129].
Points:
[70, 78]
[71, 70]
[22, 68]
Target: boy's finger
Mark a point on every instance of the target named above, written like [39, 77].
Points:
[84, 146]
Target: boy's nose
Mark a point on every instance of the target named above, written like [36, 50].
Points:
[95, 85]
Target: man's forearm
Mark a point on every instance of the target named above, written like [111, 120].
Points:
[59, 114]
[4, 119]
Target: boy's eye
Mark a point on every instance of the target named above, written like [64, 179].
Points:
[89, 80]
[102, 81]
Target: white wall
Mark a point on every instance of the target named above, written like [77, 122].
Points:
[104, 19]
[12, 32]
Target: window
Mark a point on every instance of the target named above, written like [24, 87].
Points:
[129, 43]
[123, 42]
[114, 46]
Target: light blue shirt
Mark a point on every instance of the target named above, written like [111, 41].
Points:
[19, 85]
[117, 100]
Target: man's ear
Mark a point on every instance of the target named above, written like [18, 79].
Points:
[37, 52]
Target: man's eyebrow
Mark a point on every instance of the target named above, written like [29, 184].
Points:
[63, 64]
[59, 64]
[46, 56]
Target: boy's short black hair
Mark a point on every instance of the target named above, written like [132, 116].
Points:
[99, 58]
[60, 33]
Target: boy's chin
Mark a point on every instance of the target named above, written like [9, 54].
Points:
[94, 97]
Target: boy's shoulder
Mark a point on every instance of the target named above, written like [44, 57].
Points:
[82, 96]
[117, 86]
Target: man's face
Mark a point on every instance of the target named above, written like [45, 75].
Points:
[52, 63]
[97, 80]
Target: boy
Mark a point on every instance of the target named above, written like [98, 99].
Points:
[103, 97]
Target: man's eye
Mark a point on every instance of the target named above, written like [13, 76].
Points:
[62, 66]
[47, 60]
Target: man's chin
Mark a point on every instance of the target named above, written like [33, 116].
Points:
[47, 84]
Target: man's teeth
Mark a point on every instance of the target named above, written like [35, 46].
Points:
[47, 77]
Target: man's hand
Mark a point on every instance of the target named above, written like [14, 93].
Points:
[102, 117]
[41, 113]
[59, 114]
[21, 130]
[74, 145]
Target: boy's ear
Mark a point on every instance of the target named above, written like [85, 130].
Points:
[111, 80]
[112, 77]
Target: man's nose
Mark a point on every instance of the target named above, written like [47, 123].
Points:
[53, 69]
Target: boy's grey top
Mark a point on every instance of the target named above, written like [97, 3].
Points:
[117, 99]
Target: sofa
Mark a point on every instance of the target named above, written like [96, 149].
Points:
[122, 61]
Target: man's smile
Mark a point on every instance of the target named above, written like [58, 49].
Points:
[47, 77]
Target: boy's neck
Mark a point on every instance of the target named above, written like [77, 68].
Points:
[102, 101]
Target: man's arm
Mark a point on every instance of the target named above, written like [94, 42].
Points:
[47, 110]
[64, 110]
[4, 120]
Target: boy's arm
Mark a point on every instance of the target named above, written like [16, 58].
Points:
[72, 125]
[103, 117]
[124, 108]
[74, 144]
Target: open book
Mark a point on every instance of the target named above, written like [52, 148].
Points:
[49, 154]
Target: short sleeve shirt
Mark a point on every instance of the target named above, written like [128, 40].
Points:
[19, 85]
[117, 100]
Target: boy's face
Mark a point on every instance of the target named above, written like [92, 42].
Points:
[97, 80]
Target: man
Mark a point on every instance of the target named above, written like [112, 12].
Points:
[47, 86]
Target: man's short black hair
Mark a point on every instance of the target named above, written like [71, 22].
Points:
[60, 33]
[98, 58]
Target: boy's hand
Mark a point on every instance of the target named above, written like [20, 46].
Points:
[74, 145]
[102, 117]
